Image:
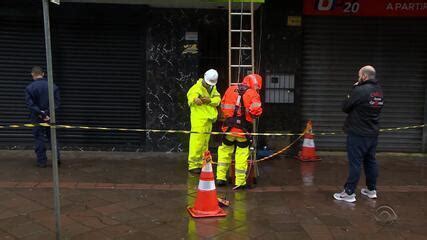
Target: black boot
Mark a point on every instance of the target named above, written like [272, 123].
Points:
[241, 187]
[195, 170]
[220, 183]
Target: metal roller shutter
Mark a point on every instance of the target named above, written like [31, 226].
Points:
[99, 68]
[21, 47]
[99, 65]
[336, 47]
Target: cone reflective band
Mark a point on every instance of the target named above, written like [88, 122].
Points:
[206, 185]
[206, 204]
[308, 141]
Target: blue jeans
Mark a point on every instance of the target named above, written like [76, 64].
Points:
[361, 149]
[41, 137]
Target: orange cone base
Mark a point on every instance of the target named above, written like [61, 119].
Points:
[311, 158]
[202, 214]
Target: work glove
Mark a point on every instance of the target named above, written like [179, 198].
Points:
[206, 100]
[198, 101]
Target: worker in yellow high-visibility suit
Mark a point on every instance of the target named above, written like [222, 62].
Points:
[203, 99]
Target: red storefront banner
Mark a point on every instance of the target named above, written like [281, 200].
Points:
[386, 8]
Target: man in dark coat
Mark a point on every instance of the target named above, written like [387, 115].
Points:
[37, 100]
[363, 106]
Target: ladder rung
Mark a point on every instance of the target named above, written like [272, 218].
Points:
[241, 30]
[241, 66]
[243, 48]
[240, 13]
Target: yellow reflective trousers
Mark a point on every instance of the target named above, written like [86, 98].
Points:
[199, 143]
[225, 153]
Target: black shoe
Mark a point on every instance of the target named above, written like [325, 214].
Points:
[241, 187]
[221, 183]
[195, 170]
[41, 165]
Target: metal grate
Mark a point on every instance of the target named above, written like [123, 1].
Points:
[99, 65]
[334, 50]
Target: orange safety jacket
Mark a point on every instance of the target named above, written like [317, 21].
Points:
[239, 106]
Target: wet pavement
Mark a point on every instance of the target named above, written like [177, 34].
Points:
[110, 195]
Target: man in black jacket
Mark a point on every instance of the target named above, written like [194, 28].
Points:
[37, 100]
[363, 106]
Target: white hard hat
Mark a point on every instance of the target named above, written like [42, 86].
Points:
[211, 77]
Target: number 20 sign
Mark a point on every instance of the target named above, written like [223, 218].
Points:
[328, 5]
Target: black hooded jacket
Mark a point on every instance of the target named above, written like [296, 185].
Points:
[363, 106]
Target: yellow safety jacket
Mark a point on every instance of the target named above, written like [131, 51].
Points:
[204, 111]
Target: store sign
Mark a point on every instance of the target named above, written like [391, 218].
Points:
[386, 8]
[294, 21]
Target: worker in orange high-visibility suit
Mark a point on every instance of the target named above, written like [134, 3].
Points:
[240, 105]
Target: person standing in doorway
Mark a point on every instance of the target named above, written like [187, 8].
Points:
[363, 106]
[203, 99]
[37, 100]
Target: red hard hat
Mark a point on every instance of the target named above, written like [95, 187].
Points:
[253, 80]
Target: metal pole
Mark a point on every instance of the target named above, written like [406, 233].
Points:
[229, 43]
[424, 147]
[54, 146]
[253, 38]
[255, 123]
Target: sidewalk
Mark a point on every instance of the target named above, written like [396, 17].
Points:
[110, 195]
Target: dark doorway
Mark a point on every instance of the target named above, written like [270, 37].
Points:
[213, 47]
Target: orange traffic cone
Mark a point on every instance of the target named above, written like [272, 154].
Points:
[206, 204]
[308, 152]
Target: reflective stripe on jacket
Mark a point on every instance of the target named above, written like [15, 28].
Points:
[251, 102]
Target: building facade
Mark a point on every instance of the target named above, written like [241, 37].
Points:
[130, 66]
